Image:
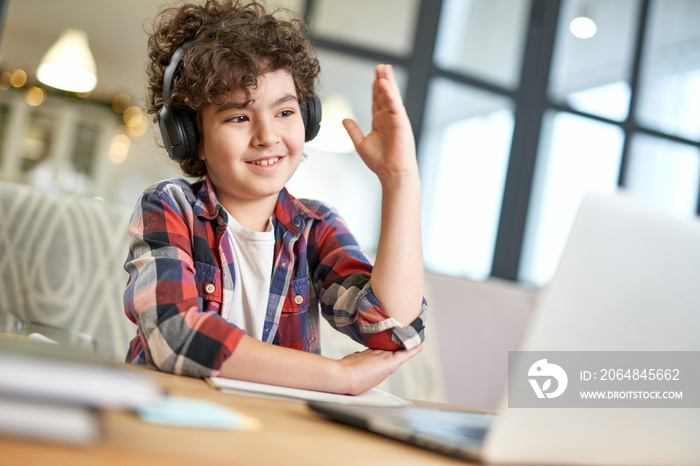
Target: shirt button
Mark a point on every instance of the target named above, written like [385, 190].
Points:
[298, 299]
[210, 288]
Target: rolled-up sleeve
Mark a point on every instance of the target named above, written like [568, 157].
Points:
[343, 281]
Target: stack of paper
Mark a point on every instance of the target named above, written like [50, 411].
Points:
[54, 393]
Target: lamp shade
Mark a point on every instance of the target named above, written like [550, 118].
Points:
[69, 64]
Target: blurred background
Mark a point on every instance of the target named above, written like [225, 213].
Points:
[518, 106]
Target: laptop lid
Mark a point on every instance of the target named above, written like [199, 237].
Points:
[628, 280]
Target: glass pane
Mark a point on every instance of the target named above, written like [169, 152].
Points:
[37, 144]
[670, 76]
[387, 25]
[4, 121]
[484, 38]
[665, 173]
[592, 75]
[464, 158]
[578, 154]
[333, 172]
[85, 147]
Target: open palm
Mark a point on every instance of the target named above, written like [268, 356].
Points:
[389, 149]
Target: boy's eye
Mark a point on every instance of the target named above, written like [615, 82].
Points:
[238, 119]
[286, 113]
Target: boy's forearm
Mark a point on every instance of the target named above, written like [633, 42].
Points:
[397, 278]
[256, 361]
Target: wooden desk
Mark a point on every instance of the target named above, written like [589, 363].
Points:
[291, 435]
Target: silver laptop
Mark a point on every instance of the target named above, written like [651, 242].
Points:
[628, 280]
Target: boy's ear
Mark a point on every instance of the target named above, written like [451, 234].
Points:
[200, 149]
[200, 138]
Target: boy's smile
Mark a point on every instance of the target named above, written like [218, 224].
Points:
[253, 145]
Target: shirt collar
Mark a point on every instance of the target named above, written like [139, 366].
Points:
[290, 211]
[207, 205]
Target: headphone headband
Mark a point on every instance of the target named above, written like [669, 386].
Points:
[172, 67]
[177, 56]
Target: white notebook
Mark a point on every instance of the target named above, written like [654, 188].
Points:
[372, 397]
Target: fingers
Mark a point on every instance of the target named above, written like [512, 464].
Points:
[386, 72]
[416, 350]
[405, 355]
[364, 370]
[394, 358]
[385, 91]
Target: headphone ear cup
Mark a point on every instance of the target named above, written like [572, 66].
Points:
[179, 132]
[311, 114]
[187, 124]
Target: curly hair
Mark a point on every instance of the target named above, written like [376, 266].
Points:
[228, 59]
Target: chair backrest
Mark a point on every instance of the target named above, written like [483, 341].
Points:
[477, 323]
[61, 263]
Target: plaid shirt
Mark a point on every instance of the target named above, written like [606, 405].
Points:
[180, 265]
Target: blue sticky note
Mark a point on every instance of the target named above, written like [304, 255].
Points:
[193, 412]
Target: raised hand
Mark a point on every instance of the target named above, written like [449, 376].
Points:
[389, 149]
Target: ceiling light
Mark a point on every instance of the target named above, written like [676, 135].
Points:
[583, 27]
[69, 64]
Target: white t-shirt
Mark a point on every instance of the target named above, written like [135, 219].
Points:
[253, 255]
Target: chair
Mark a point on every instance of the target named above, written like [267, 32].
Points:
[478, 322]
[61, 263]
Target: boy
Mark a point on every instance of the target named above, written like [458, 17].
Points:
[226, 274]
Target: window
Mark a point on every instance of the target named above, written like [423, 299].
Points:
[85, 147]
[4, 121]
[625, 97]
[669, 87]
[465, 148]
[483, 39]
[516, 118]
[576, 155]
[665, 173]
[363, 23]
[37, 143]
[60, 144]
[593, 75]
